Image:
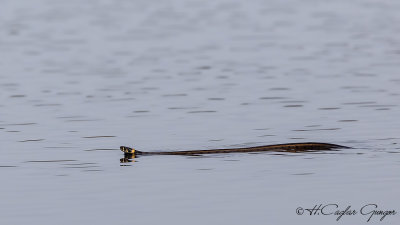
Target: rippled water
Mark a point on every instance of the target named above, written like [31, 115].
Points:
[80, 78]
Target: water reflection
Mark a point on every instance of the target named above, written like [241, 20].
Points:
[128, 158]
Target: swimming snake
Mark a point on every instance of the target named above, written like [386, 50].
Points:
[290, 147]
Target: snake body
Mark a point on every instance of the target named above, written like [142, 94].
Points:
[291, 147]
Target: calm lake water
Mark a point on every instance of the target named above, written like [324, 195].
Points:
[80, 78]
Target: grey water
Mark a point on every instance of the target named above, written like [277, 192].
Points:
[80, 78]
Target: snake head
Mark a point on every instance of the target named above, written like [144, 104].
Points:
[127, 150]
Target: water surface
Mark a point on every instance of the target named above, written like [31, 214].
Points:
[79, 79]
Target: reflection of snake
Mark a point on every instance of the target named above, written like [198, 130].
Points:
[292, 147]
